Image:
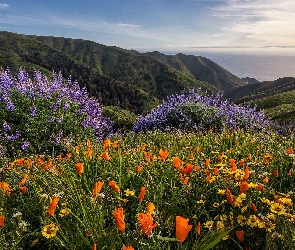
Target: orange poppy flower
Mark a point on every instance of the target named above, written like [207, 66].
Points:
[244, 187]
[2, 220]
[88, 154]
[39, 162]
[141, 194]
[216, 171]
[5, 187]
[150, 208]
[80, 168]
[247, 173]
[198, 168]
[182, 228]
[163, 154]
[94, 247]
[114, 186]
[249, 157]
[186, 179]
[20, 161]
[105, 155]
[88, 143]
[207, 162]
[115, 144]
[242, 162]
[232, 162]
[187, 169]
[176, 162]
[106, 144]
[290, 150]
[97, 187]
[143, 147]
[240, 234]
[146, 225]
[127, 248]
[253, 207]
[48, 165]
[53, 205]
[77, 149]
[261, 188]
[276, 173]
[119, 219]
[265, 180]
[230, 198]
[23, 189]
[23, 180]
[139, 168]
[198, 228]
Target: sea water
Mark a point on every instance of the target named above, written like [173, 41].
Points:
[263, 64]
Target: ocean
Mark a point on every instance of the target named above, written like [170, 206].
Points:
[263, 64]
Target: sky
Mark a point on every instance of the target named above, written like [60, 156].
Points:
[163, 25]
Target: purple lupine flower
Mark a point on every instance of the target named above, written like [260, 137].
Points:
[13, 137]
[25, 145]
[6, 127]
[52, 119]
[34, 110]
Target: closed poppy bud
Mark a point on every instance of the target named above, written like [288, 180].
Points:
[198, 228]
[240, 234]
[216, 171]
[247, 173]
[94, 247]
[186, 179]
[141, 194]
[276, 173]
[114, 186]
[253, 207]
[207, 162]
[150, 208]
[52, 206]
[115, 144]
[2, 220]
[97, 187]
[229, 196]
[80, 168]
[176, 162]
[139, 168]
[106, 144]
[48, 165]
[105, 155]
[182, 228]
[23, 180]
[23, 189]
[119, 219]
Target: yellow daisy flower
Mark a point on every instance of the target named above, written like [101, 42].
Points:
[64, 212]
[49, 230]
[277, 208]
[252, 221]
[129, 192]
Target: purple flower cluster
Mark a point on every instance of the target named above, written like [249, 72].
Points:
[170, 114]
[63, 96]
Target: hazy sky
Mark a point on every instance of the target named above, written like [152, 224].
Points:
[156, 24]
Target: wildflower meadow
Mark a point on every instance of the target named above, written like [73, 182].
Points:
[179, 180]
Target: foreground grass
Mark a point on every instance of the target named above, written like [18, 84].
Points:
[154, 191]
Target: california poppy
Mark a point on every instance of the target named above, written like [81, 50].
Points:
[23, 189]
[105, 155]
[240, 234]
[182, 228]
[139, 168]
[119, 219]
[20, 161]
[163, 154]
[5, 187]
[115, 144]
[94, 247]
[261, 188]
[97, 187]
[53, 205]
[187, 169]
[2, 220]
[39, 162]
[232, 162]
[276, 173]
[150, 208]
[265, 180]
[114, 186]
[229, 196]
[207, 162]
[247, 174]
[176, 162]
[141, 194]
[253, 207]
[48, 165]
[198, 228]
[290, 150]
[106, 144]
[23, 180]
[127, 248]
[186, 179]
[244, 187]
[80, 168]
[145, 222]
[242, 162]
[216, 170]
